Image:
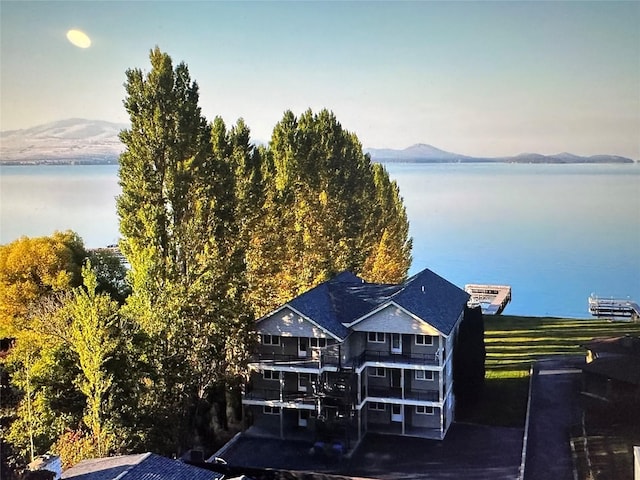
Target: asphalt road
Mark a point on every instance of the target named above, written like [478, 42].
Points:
[469, 452]
[554, 409]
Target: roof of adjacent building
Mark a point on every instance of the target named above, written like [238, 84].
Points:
[626, 345]
[144, 466]
[624, 368]
[346, 298]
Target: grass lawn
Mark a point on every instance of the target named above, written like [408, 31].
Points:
[513, 343]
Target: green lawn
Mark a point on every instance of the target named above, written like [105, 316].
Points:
[513, 343]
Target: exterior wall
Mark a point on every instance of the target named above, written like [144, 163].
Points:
[269, 389]
[305, 381]
[422, 420]
[412, 384]
[378, 346]
[448, 373]
[422, 349]
[287, 323]
[258, 382]
[357, 342]
[450, 341]
[394, 320]
[378, 416]
[377, 382]
[449, 410]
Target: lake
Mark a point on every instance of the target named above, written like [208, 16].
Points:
[555, 233]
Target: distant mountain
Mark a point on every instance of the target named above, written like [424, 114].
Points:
[78, 140]
[422, 153]
[74, 140]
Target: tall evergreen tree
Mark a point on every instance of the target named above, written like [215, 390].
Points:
[177, 222]
[327, 208]
[389, 257]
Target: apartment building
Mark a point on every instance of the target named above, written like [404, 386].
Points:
[349, 357]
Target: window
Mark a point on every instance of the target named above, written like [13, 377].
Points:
[424, 340]
[268, 410]
[376, 337]
[271, 375]
[424, 375]
[423, 410]
[318, 342]
[304, 380]
[377, 406]
[376, 372]
[270, 340]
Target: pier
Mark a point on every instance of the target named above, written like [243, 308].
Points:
[613, 307]
[491, 298]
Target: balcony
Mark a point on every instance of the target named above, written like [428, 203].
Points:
[264, 395]
[373, 356]
[397, 393]
[316, 359]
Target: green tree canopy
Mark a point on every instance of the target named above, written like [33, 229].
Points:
[327, 208]
[180, 235]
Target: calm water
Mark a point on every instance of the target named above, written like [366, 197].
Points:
[555, 233]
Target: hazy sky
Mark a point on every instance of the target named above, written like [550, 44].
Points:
[478, 78]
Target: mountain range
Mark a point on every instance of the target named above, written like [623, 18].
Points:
[423, 153]
[74, 140]
[78, 140]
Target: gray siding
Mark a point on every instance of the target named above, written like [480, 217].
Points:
[423, 420]
[287, 323]
[392, 319]
[258, 382]
[379, 416]
[412, 384]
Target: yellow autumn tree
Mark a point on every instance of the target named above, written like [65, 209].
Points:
[30, 269]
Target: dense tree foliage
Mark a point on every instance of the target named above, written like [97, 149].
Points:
[180, 235]
[326, 209]
[32, 268]
[215, 231]
[65, 349]
[469, 358]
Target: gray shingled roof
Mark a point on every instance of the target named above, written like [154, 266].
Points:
[144, 466]
[320, 304]
[626, 345]
[346, 298]
[434, 299]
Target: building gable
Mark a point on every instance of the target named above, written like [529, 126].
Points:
[394, 319]
[287, 322]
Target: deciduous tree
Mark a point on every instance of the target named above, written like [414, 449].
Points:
[31, 268]
[179, 233]
[326, 209]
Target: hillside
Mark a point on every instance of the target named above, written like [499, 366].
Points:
[66, 141]
[422, 153]
[79, 140]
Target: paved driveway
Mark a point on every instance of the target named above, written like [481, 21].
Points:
[554, 409]
[468, 452]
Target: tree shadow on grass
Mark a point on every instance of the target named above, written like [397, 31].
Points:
[503, 403]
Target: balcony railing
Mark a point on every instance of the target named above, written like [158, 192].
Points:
[419, 395]
[316, 357]
[406, 358]
[269, 394]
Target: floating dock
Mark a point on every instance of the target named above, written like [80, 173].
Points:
[491, 298]
[613, 307]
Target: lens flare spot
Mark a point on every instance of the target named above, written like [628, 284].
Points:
[79, 38]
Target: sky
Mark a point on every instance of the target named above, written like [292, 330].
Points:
[478, 78]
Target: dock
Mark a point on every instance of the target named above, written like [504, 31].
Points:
[491, 298]
[613, 307]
